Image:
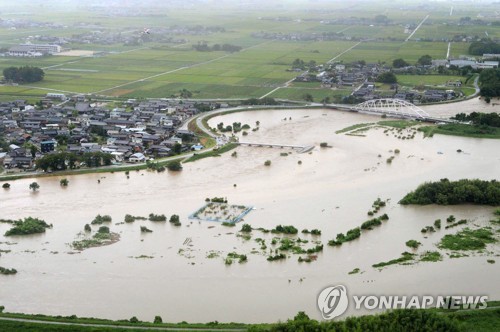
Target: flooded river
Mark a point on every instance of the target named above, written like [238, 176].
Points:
[332, 190]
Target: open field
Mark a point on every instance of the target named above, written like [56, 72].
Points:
[412, 80]
[160, 68]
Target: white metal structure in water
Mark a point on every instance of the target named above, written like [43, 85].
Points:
[390, 106]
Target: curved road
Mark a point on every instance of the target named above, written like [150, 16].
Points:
[199, 123]
[122, 327]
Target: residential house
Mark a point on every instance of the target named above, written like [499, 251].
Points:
[137, 158]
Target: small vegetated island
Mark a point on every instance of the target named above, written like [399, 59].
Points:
[27, 226]
[285, 243]
[446, 192]
[368, 225]
[23, 227]
[473, 238]
[102, 237]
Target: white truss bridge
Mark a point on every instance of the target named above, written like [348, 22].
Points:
[393, 107]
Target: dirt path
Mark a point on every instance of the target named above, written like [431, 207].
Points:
[122, 327]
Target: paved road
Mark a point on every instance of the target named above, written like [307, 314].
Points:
[476, 86]
[86, 170]
[122, 327]
[418, 27]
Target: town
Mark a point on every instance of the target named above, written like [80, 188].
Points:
[137, 132]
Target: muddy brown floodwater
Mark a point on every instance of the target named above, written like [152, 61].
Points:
[331, 190]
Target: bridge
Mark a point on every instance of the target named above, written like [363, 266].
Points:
[299, 148]
[392, 107]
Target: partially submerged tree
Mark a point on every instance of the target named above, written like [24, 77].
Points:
[34, 186]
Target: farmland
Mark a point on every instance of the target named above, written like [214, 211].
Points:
[155, 67]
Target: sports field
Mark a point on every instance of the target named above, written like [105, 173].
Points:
[161, 69]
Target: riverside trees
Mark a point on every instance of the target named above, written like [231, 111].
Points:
[446, 192]
[65, 160]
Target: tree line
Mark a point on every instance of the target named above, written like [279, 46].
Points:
[480, 119]
[301, 64]
[397, 320]
[490, 82]
[484, 46]
[25, 74]
[203, 47]
[446, 192]
[424, 60]
[64, 160]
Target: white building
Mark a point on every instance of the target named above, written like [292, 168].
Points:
[487, 56]
[137, 158]
[60, 96]
[32, 50]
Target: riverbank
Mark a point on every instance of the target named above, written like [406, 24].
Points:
[479, 320]
[464, 130]
[199, 125]
[97, 170]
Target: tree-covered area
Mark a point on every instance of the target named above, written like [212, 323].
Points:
[425, 60]
[388, 78]
[479, 119]
[490, 82]
[28, 226]
[287, 229]
[98, 220]
[301, 64]
[458, 129]
[64, 160]
[484, 46]
[157, 217]
[399, 63]
[446, 192]
[397, 320]
[351, 234]
[24, 74]
[6, 271]
[203, 47]
[174, 166]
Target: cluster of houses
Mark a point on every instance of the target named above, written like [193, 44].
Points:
[15, 23]
[367, 91]
[340, 75]
[101, 36]
[140, 131]
[302, 36]
[360, 77]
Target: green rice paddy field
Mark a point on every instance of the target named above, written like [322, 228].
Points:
[155, 69]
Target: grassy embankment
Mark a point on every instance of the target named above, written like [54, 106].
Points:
[484, 320]
[106, 169]
[399, 124]
[213, 153]
[455, 129]
[465, 130]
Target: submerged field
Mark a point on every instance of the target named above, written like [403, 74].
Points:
[277, 267]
